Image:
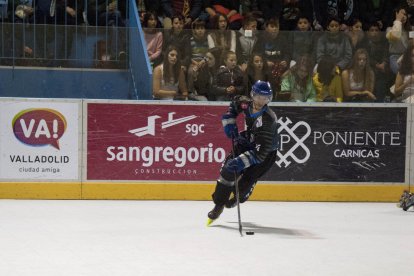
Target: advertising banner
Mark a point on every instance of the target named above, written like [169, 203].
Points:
[345, 144]
[187, 143]
[39, 140]
[155, 142]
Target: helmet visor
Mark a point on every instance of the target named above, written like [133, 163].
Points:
[261, 99]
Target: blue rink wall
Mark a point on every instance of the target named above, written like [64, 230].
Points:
[55, 149]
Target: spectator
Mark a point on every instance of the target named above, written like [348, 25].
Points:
[229, 80]
[110, 13]
[269, 8]
[358, 81]
[220, 37]
[189, 9]
[247, 40]
[356, 34]
[297, 85]
[51, 43]
[335, 44]
[250, 8]
[344, 10]
[228, 8]
[303, 39]
[106, 12]
[145, 6]
[404, 82]
[201, 81]
[198, 49]
[397, 36]
[290, 12]
[377, 48]
[69, 15]
[153, 38]
[168, 81]
[275, 48]
[198, 43]
[177, 37]
[409, 6]
[21, 13]
[375, 11]
[257, 69]
[327, 81]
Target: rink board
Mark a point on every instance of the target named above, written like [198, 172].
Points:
[178, 148]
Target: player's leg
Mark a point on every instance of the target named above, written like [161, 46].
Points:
[224, 187]
[249, 178]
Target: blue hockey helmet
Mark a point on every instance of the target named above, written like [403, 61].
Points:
[261, 90]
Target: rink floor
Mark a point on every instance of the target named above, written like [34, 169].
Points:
[170, 238]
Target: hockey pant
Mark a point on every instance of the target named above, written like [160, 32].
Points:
[247, 180]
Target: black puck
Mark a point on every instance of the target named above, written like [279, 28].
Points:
[249, 233]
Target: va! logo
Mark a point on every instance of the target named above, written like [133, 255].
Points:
[194, 129]
[39, 127]
[293, 136]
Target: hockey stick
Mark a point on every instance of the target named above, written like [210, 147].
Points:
[236, 185]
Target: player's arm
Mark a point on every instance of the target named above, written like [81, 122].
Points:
[238, 105]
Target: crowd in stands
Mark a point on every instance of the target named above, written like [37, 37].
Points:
[42, 28]
[310, 51]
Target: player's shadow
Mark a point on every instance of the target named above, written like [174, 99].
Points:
[259, 229]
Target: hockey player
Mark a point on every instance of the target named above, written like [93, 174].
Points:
[254, 150]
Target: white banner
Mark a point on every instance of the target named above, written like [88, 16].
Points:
[39, 140]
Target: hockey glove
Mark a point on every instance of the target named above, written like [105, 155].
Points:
[231, 131]
[243, 143]
[241, 103]
[235, 165]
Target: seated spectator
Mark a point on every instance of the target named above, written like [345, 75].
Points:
[356, 34]
[409, 6]
[221, 37]
[290, 11]
[257, 69]
[106, 12]
[190, 10]
[21, 13]
[145, 6]
[153, 38]
[344, 11]
[230, 9]
[198, 43]
[269, 8]
[168, 80]
[377, 48]
[247, 40]
[358, 80]
[377, 11]
[250, 8]
[404, 82]
[110, 13]
[297, 85]
[327, 81]
[397, 36]
[334, 43]
[303, 39]
[229, 80]
[276, 50]
[177, 37]
[201, 80]
[198, 49]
